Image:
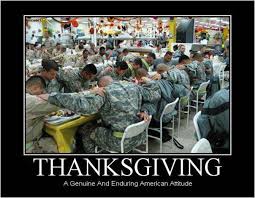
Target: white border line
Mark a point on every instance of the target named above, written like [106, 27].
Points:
[121, 154]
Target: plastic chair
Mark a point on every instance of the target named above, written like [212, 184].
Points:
[202, 146]
[221, 75]
[196, 125]
[201, 92]
[132, 131]
[168, 109]
[184, 102]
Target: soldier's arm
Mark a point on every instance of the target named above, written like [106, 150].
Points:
[78, 102]
[150, 92]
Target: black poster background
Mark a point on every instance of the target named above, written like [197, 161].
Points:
[18, 172]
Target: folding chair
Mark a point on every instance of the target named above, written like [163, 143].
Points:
[200, 93]
[132, 131]
[221, 75]
[196, 125]
[169, 108]
[202, 146]
[184, 102]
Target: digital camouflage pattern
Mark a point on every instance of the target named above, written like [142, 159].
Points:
[196, 71]
[178, 76]
[118, 109]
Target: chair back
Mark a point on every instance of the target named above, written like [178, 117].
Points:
[169, 107]
[184, 101]
[196, 125]
[202, 88]
[136, 129]
[202, 146]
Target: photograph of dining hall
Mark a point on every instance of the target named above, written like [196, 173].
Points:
[127, 84]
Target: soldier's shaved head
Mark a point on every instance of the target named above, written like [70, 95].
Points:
[104, 81]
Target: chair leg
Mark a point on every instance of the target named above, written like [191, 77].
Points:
[179, 119]
[147, 141]
[188, 116]
[173, 132]
[197, 104]
[161, 134]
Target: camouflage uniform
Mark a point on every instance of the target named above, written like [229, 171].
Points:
[72, 81]
[113, 74]
[81, 63]
[208, 68]
[56, 52]
[36, 109]
[178, 76]
[118, 109]
[53, 86]
[97, 59]
[196, 71]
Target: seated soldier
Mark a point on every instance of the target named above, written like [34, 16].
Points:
[168, 92]
[196, 71]
[36, 109]
[48, 73]
[148, 61]
[214, 121]
[132, 68]
[117, 73]
[80, 63]
[120, 107]
[75, 80]
[179, 75]
[167, 60]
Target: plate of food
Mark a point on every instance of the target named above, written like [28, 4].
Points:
[61, 116]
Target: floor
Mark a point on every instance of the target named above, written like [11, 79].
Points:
[186, 138]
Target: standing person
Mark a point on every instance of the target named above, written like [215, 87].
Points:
[110, 41]
[163, 40]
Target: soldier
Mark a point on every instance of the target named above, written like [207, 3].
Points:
[178, 75]
[48, 73]
[117, 73]
[208, 68]
[214, 121]
[49, 42]
[148, 61]
[83, 60]
[178, 53]
[56, 51]
[167, 60]
[196, 71]
[120, 107]
[132, 68]
[36, 110]
[100, 57]
[75, 80]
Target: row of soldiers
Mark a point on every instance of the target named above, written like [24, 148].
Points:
[126, 92]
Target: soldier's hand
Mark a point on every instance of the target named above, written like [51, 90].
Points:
[43, 96]
[144, 116]
[108, 69]
[98, 90]
[156, 77]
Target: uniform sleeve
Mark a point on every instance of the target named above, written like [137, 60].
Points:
[150, 92]
[78, 102]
